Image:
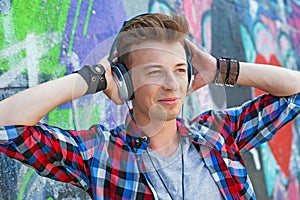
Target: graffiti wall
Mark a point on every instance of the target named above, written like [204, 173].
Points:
[42, 40]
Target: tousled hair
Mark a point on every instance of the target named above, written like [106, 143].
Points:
[150, 27]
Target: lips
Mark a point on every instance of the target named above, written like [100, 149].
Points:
[170, 101]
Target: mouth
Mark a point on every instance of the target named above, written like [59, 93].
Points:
[170, 101]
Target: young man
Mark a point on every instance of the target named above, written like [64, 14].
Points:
[154, 155]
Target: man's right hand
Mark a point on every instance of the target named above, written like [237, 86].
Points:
[111, 90]
[204, 66]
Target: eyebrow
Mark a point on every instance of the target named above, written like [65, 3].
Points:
[181, 64]
[161, 66]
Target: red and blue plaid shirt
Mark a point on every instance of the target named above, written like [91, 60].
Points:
[107, 164]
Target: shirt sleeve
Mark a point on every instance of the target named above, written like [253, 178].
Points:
[54, 153]
[255, 122]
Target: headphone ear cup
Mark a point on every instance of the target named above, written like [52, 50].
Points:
[190, 72]
[190, 69]
[123, 81]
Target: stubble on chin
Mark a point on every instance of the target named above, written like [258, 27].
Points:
[159, 113]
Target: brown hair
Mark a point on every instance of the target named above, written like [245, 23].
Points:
[150, 27]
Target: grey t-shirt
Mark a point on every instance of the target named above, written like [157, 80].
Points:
[198, 182]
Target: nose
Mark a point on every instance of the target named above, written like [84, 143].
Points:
[171, 81]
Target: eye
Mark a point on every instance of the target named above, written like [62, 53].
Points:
[181, 70]
[154, 73]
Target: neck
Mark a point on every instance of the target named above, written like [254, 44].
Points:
[163, 136]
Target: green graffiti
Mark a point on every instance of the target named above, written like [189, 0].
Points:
[76, 117]
[25, 182]
[74, 27]
[87, 19]
[22, 14]
[61, 118]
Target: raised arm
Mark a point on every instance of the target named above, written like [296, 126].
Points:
[275, 80]
[30, 106]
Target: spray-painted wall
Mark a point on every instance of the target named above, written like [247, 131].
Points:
[43, 40]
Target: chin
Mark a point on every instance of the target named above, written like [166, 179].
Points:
[171, 117]
[167, 116]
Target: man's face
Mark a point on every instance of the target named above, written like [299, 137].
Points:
[159, 76]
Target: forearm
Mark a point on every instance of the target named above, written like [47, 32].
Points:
[275, 80]
[49, 163]
[29, 106]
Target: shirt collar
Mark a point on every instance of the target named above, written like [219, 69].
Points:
[136, 134]
[131, 126]
[139, 142]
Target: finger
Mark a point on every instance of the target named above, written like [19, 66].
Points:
[104, 61]
[115, 59]
[191, 45]
[194, 45]
[115, 54]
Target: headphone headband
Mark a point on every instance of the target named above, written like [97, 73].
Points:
[114, 45]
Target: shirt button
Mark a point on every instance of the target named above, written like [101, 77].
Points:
[144, 138]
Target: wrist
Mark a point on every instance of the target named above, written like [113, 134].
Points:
[213, 72]
[94, 76]
[80, 85]
[227, 71]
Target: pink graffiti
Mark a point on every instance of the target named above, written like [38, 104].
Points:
[294, 189]
[270, 23]
[265, 35]
[194, 12]
[292, 192]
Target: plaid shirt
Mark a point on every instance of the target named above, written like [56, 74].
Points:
[107, 164]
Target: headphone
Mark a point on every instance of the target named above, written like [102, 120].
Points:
[120, 72]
